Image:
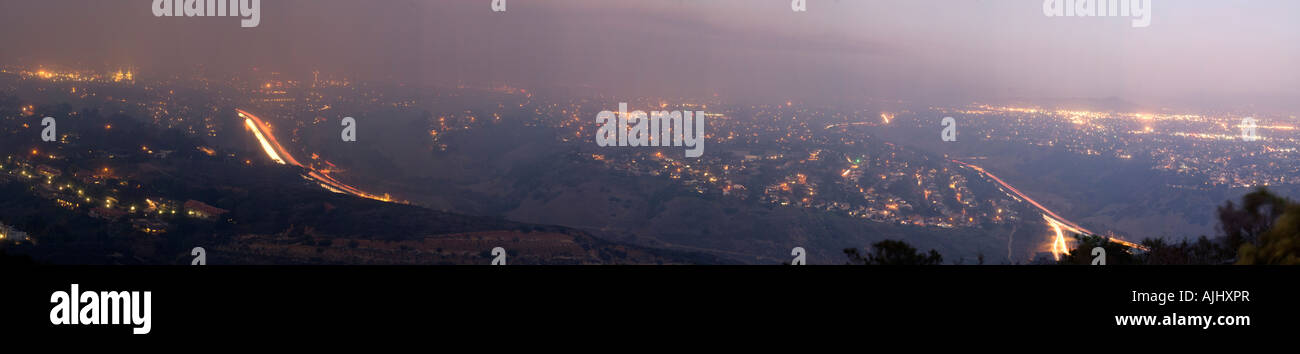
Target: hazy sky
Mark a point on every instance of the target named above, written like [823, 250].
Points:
[1231, 51]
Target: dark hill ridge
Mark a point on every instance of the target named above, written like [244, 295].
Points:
[317, 227]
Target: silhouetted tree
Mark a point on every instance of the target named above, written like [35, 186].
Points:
[1204, 251]
[1279, 245]
[893, 252]
[1244, 226]
[1262, 231]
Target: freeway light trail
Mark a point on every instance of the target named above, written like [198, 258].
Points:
[270, 152]
[1058, 223]
[885, 118]
[277, 152]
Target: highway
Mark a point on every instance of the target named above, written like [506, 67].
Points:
[1059, 224]
[279, 154]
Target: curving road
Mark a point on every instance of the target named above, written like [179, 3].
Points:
[280, 155]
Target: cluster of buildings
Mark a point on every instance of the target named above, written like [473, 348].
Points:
[93, 193]
[795, 159]
[1209, 147]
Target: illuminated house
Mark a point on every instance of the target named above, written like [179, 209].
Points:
[200, 210]
[152, 227]
[11, 234]
[48, 171]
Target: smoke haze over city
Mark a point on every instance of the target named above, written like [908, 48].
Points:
[1235, 55]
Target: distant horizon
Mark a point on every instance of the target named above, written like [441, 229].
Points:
[1108, 103]
[1194, 54]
